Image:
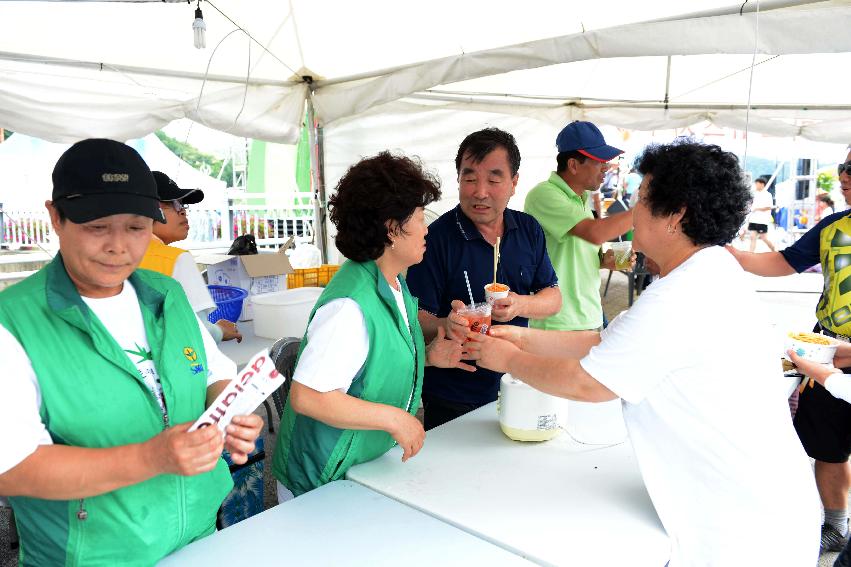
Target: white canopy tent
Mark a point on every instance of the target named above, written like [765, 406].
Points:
[70, 70]
[418, 77]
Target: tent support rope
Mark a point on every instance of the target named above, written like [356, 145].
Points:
[750, 86]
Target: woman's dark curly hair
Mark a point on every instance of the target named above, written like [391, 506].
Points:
[702, 179]
[375, 190]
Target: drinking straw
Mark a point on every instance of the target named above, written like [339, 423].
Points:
[495, 259]
[469, 290]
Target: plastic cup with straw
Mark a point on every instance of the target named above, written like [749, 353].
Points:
[478, 315]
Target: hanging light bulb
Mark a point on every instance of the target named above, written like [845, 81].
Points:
[200, 29]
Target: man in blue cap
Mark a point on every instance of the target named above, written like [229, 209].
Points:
[572, 233]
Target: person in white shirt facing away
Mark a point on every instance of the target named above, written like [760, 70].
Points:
[703, 397]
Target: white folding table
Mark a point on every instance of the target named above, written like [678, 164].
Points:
[342, 523]
[556, 503]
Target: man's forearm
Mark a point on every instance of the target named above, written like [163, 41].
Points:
[614, 226]
[60, 472]
[768, 264]
[543, 304]
[598, 231]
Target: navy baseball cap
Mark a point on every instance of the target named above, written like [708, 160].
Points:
[97, 178]
[167, 190]
[585, 138]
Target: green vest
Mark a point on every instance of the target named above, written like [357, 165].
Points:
[834, 307]
[92, 395]
[310, 453]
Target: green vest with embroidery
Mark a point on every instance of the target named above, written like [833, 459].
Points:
[834, 307]
[92, 395]
[310, 453]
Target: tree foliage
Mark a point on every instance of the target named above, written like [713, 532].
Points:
[196, 158]
[825, 181]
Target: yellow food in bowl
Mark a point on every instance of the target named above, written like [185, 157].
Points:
[810, 338]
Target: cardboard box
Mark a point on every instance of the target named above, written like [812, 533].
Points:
[257, 273]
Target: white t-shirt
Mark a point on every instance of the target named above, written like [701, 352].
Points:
[337, 345]
[761, 199]
[186, 272]
[128, 330]
[705, 406]
[20, 403]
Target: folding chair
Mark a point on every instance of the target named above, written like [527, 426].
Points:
[284, 354]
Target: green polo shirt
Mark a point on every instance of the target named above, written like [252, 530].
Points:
[576, 261]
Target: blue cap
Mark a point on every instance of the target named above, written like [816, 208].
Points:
[585, 138]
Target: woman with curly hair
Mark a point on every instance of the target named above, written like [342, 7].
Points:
[703, 397]
[359, 376]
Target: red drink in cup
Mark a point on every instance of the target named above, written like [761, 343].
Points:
[479, 317]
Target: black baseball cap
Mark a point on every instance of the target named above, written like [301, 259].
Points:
[96, 178]
[167, 190]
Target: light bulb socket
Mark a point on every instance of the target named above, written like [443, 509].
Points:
[198, 14]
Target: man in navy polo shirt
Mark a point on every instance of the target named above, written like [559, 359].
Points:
[463, 239]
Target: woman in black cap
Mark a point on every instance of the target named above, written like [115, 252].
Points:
[105, 368]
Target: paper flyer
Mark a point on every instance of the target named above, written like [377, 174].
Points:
[257, 380]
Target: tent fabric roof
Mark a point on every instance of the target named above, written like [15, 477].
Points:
[70, 70]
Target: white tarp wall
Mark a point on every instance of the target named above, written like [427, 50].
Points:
[70, 70]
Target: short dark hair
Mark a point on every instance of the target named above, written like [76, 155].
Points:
[479, 144]
[702, 179]
[562, 157]
[375, 190]
[60, 213]
[762, 180]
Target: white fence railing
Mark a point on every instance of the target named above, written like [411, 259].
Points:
[24, 228]
[211, 227]
[269, 226]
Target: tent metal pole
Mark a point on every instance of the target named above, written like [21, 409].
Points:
[667, 84]
[496, 99]
[317, 166]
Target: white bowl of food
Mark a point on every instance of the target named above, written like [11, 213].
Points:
[812, 346]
